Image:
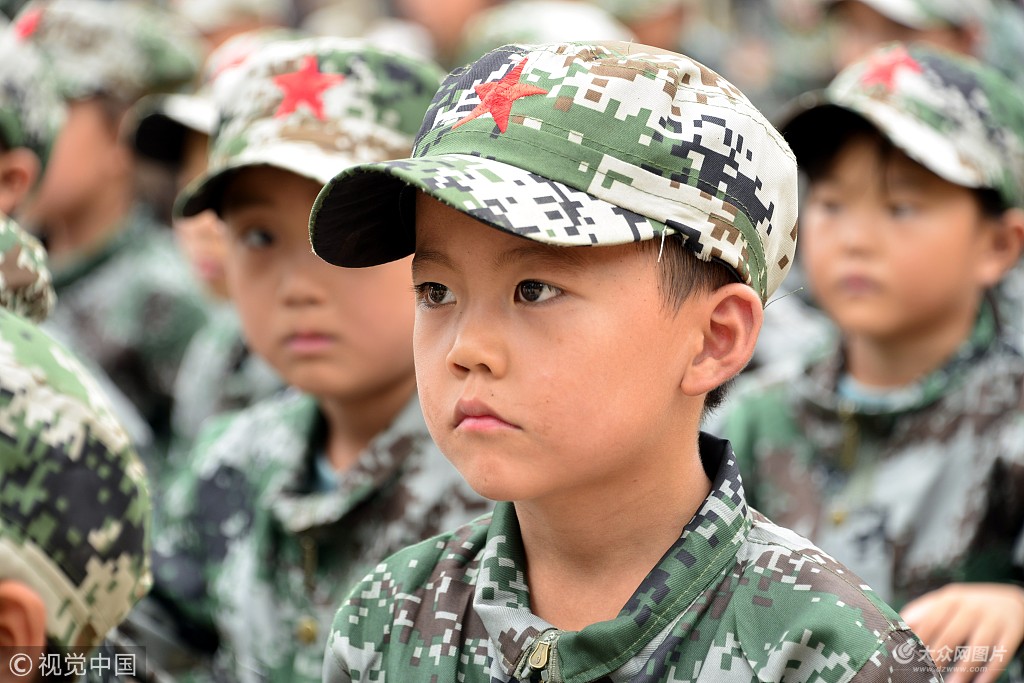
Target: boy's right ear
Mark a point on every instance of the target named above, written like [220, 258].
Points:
[22, 616]
[19, 171]
[1005, 246]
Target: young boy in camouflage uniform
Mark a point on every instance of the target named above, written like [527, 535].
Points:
[75, 510]
[299, 496]
[126, 301]
[571, 382]
[900, 451]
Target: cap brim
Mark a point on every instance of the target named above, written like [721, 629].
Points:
[304, 159]
[811, 118]
[358, 219]
[815, 119]
[160, 133]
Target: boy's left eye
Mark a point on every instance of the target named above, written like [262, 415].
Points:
[533, 292]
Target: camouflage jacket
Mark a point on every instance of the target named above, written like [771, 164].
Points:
[735, 599]
[131, 308]
[275, 558]
[217, 375]
[912, 493]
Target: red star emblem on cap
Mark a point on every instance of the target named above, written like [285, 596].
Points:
[305, 86]
[496, 98]
[28, 24]
[882, 69]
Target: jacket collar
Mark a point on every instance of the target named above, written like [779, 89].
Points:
[706, 547]
[300, 510]
[819, 384]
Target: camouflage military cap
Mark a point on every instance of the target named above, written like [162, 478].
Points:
[312, 107]
[212, 15]
[538, 21]
[31, 107]
[583, 144]
[927, 14]
[120, 48]
[74, 507]
[161, 121]
[25, 283]
[960, 119]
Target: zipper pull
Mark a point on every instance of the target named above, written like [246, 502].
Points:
[539, 656]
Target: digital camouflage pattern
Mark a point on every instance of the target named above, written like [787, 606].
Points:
[26, 286]
[74, 507]
[132, 308]
[927, 14]
[537, 21]
[735, 599]
[123, 49]
[218, 374]
[960, 119]
[268, 554]
[31, 107]
[312, 107]
[912, 491]
[578, 144]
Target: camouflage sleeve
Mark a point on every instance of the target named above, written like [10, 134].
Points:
[26, 287]
[900, 658]
[335, 669]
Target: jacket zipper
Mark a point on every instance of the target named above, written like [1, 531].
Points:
[542, 656]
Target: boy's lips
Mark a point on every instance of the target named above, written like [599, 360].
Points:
[308, 342]
[857, 284]
[477, 416]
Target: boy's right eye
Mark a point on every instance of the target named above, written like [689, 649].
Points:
[256, 238]
[432, 294]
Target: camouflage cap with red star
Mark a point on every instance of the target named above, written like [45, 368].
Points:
[124, 50]
[959, 118]
[313, 107]
[580, 144]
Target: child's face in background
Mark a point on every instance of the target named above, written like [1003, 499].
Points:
[336, 333]
[202, 237]
[86, 158]
[542, 369]
[892, 251]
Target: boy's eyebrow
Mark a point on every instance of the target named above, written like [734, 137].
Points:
[235, 201]
[425, 256]
[544, 253]
[563, 257]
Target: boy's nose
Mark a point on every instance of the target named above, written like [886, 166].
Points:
[300, 284]
[857, 231]
[478, 347]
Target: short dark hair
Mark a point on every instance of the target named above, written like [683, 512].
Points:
[681, 275]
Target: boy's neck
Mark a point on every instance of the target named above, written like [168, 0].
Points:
[589, 551]
[87, 229]
[353, 423]
[898, 362]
